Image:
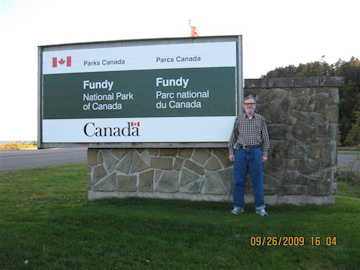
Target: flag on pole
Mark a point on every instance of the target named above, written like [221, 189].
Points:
[193, 31]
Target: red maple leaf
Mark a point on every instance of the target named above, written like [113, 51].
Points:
[61, 61]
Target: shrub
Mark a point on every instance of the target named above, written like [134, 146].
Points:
[348, 174]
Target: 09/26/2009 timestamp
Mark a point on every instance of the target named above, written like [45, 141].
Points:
[292, 241]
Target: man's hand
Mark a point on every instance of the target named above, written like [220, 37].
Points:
[264, 158]
[231, 157]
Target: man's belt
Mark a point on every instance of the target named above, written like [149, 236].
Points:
[245, 146]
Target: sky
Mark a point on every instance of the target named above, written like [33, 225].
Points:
[276, 33]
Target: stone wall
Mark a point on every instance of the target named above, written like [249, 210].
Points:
[196, 174]
[302, 117]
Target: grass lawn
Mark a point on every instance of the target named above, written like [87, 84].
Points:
[46, 222]
[18, 145]
[348, 152]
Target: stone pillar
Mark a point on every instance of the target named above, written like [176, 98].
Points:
[302, 117]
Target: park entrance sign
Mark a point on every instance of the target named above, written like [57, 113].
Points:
[170, 91]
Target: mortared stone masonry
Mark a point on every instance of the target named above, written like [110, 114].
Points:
[302, 118]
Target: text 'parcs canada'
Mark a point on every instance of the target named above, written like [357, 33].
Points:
[178, 59]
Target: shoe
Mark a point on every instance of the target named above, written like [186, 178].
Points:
[237, 210]
[261, 212]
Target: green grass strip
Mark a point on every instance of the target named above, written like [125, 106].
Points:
[46, 222]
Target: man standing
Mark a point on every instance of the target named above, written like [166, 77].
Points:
[248, 148]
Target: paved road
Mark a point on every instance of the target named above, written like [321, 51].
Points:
[350, 161]
[18, 159]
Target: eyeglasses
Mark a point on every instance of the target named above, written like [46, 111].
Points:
[247, 104]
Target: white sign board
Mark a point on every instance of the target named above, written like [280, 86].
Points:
[136, 92]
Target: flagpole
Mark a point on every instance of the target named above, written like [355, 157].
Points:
[189, 28]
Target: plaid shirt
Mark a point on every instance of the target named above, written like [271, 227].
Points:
[250, 132]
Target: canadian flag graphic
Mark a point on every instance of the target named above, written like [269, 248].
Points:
[135, 124]
[61, 61]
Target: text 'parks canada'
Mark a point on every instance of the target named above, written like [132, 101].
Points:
[104, 62]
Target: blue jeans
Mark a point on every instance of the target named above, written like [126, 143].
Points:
[248, 160]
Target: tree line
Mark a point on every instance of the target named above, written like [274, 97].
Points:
[349, 94]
